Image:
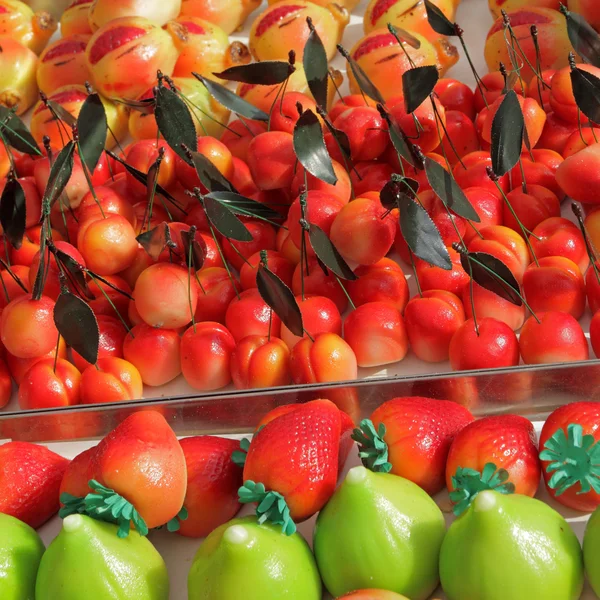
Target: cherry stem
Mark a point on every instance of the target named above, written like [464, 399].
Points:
[439, 121]
[394, 32]
[588, 243]
[460, 33]
[525, 231]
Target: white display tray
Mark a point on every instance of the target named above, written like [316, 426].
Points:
[475, 18]
[178, 552]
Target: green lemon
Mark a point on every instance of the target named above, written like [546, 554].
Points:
[591, 551]
[242, 559]
[21, 550]
[511, 546]
[87, 560]
[379, 531]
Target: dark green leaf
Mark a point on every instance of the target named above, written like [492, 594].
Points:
[76, 271]
[316, 67]
[448, 191]
[417, 84]
[492, 274]
[155, 240]
[328, 254]
[341, 138]
[13, 212]
[175, 121]
[16, 133]
[152, 180]
[584, 39]
[421, 234]
[231, 100]
[265, 72]
[211, 178]
[146, 106]
[92, 127]
[586, 89]
[438, 21]
[401, 143]
[392, 191]
[225, 222]
[245, 206]
[362, 79]
[60, 173]
[40, 276]
[143, 179]
[280, 298]
[310, 148]
[64, 115]
[77, 324]
[197, 247]
[404, 37]
[507, 134]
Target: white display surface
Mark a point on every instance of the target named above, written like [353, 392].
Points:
[179, 552]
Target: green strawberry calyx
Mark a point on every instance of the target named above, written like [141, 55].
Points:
[468, 483]
[574, 459]
[271, 506]
[239, 456]
[175, 523]
[104, 504]
[373, 450]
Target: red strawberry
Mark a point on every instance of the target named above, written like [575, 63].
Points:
[411, 437]
[570, 454]
[508, 441]
[213, 480]
[140, 460]
[29, 482]
[296, 456]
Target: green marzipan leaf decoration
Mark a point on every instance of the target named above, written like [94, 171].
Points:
[316, 66]
[64, 115]
[174, 524]
[16, 133]
[448, 191]
[265, 72]
[104, 504]
[93, 128]
[247, 207]
[328, 254]
[438, 21]
[401, 143]
[197, 248]
[394, 189]
[574, 459]
[175, 121]
[271, 507]
[76, 271]
[583, 37]
[508, 128]
[586, 89]
[239, 456]
[13, 212]
[225, 222]
[77, 324]
[421, 234]
[280, 299]
[60, 173]
[417, 85]
[155, 240]
[493, 275]
[373, 450]
[143, 179]
[310, 148]
[469, 483]
[362, 79]
[209, 175]
[231, 100]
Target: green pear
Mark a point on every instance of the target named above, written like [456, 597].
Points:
[511, 546]
[21, 550]
[379, 531]
[88, 560]
[243, 559]
[591, 551]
